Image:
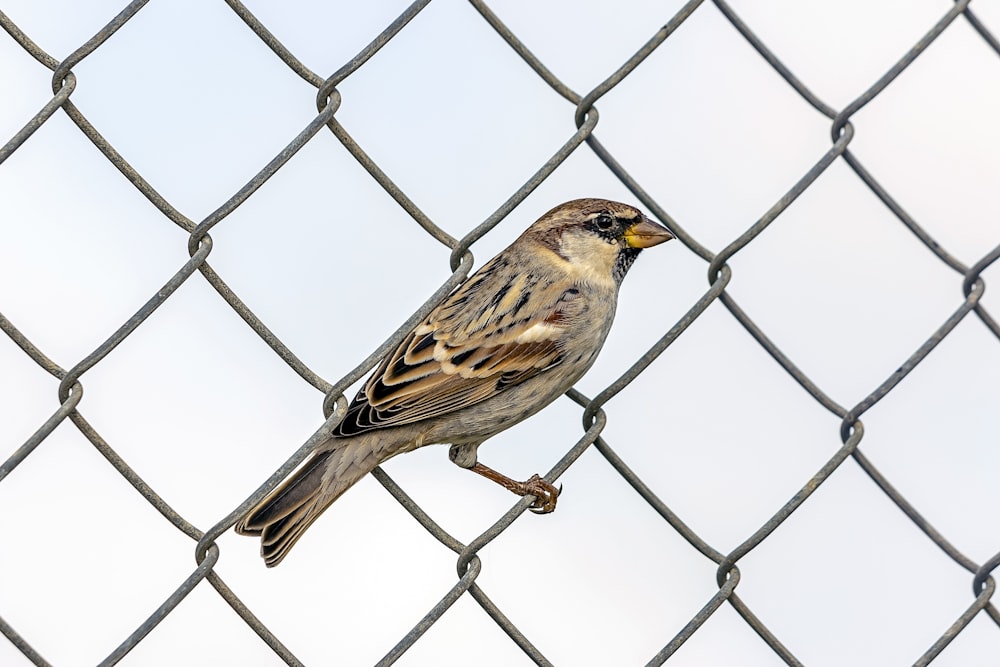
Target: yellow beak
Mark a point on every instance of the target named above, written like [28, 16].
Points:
[645, 234]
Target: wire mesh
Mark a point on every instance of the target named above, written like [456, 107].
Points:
[468, 562]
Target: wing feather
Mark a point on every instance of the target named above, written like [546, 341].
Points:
[500, 328]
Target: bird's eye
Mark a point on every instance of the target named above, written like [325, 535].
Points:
[605, 221]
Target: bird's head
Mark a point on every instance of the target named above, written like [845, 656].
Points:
[600, 238]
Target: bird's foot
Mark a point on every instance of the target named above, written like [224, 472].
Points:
[545, 494]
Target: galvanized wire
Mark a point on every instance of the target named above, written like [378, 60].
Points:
[586, 118]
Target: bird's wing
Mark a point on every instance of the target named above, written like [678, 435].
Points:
[500, 328]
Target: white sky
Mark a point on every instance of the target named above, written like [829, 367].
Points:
[204, 411]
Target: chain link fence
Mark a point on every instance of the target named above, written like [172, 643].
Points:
[469, 560]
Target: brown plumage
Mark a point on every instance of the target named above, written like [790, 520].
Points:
[512, 338]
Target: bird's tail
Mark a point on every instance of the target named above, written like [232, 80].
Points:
[282, 517]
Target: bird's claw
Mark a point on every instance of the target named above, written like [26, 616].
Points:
[545, 494]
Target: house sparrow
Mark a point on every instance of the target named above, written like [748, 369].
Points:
[506, 343]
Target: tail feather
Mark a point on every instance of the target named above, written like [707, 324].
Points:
[291, 494]
[283, 516]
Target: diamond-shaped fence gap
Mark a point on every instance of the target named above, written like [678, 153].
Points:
[837, 256]
[91, 247]
[465, 633]
[839, 52]
[597, 41]
[948, 176]
[322, 35]
[182, 635]
[727, 454]
[246, 103]
[916, 447]
[396, 112]
[862, 546]
[609, 554]
[356, 551]
[308, 254]
[263, 410]
[721, 133]
[123, 553]
[724, 639]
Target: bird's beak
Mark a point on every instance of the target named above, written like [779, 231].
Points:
[646, 233]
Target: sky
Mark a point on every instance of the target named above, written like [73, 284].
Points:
[204, 411]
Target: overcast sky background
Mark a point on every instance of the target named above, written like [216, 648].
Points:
[204, 411]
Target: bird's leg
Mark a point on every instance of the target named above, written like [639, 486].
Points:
[545, 494]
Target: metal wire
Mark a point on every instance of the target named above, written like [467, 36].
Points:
[468, 563]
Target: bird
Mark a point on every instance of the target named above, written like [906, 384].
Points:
[509, 340]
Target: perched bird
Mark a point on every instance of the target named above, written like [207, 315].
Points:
[506, 343]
